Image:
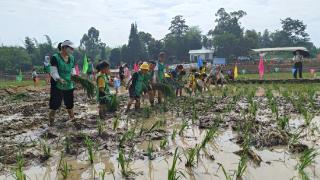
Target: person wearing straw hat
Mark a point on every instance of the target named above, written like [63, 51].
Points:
[61, 70]
[136, 86]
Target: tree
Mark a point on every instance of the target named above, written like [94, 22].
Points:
[265, 41]
[178, 26]
[250, 41]
[227, 35]
[13, 59]
[135, 51]
[91, 43]
[30, 45]
[115, 56]
[295, 29]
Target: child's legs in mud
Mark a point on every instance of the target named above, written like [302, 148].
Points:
[137, 104]
[131, 100]
[102, 110]
[160, 97]
[151, 96]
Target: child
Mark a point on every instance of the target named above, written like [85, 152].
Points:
[104, 96]
[177, 76]
[34, 77]
[136, 86]
[116, 84]
[192, 80]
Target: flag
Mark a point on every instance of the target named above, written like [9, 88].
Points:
[19, 76]
[261, 67]
[85, 65]
[235, 72]
[77, 70]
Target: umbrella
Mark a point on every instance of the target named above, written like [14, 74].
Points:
[302, 52]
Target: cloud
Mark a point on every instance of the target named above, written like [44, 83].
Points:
[70, 19]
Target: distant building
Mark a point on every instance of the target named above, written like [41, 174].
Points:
[204, 54]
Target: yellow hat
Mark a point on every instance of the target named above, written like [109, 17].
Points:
[144, 66]
[167, 75]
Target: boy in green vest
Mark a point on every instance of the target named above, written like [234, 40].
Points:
[136, 86]
[160, 74]
[103, 95]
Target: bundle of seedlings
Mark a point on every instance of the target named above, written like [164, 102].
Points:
[85, 84]
[114, 103]
[165, 88]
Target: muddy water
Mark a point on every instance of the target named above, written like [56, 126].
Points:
[277, 162]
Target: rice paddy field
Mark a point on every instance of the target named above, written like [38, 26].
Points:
[239, 131]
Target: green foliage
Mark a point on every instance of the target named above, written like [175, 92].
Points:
[192, 156]
[100, 126]
[91, 43]
[12, 59]
[184, 125]
[124, 164]
[64, 168]
[150, 150]
[115, 123]
[86, 84]
[208, 137]
[306, 159]
[242, 166]
[90, 147]
[173, 172]
[19, 174]
[163, 143]
[283, 122]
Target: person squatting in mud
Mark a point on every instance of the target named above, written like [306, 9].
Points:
[61, 70]
[103, 86]
[177, 77]
[136, 85]
[149, 81]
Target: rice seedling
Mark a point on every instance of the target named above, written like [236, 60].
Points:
[124, 164]
[46, 149]
[242, 166]
[294, 138]
[209, 135]
[163, 144]
[154, 126]
[67, 144]
[86, 84]
[283, 122]
[306, 159]
[174, 134]
[18, 173]
[184, 125]
[64, 167]
[90, 147]
[226, 175]
[127, 136]
[308, 116]
[192, 156]
[253, 108]
[173, 172]
[114, 103]
[115, 123]
[102, 174]
[150, 150]
[100, 126]
[146, 111]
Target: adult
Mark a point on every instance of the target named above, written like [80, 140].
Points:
[297, 64]
[62, 68]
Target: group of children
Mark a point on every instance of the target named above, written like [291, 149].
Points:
[142, 82]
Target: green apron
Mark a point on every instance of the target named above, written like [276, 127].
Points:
[139, 84]
[65, 72]
[160, 72]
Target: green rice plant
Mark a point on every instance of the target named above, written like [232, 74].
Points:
[173, 172]
[166, 89]
[163, 144]
[208, 137]
[124, 164]
[90, 147]
[102, 174]
[294, 138]
[154, 126]
[242, 166]
[274, 108]
[67, 144]
[114, 103]
[269, 95]
[115, 123]
[150, 150]
[226, 175]
[100, 126]
[174, 134]
[63, 167]
[19, 174]
[86, 84]
[308, 116]
[184, 125]
[283, 122]
[306, 159]
[253, 108]
[146, 111]
[127, 136]
[192, 156]
[46, 149]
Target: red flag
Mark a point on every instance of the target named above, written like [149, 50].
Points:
[261, 67]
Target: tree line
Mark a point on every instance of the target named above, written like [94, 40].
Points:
[229, 39]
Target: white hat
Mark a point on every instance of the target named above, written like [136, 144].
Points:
[68, 43]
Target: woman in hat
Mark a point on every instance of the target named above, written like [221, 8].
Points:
[61, 70]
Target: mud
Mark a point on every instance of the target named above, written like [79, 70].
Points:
[23, 128]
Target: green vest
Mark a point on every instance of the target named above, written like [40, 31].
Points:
[160, 72]
[139, 84]
[106, 87]
[65, 72]
[47, 69]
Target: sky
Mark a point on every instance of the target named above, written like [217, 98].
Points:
[70, 19]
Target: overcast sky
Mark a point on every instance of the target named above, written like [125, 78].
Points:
[70, 19]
